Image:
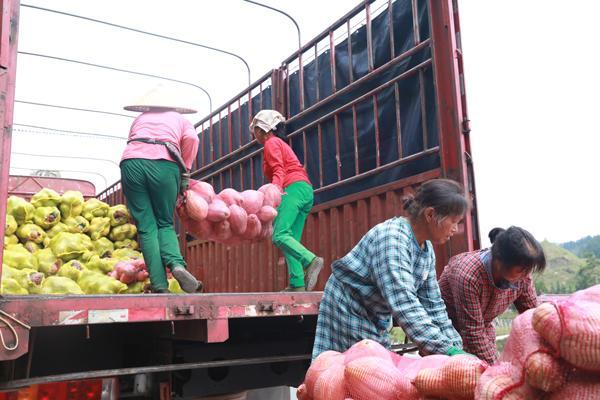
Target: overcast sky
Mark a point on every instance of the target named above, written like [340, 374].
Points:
[531, 74]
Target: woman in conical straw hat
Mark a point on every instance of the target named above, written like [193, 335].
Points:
[282, 168]
[161, 145]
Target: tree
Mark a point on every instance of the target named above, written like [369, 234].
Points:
[589, 274]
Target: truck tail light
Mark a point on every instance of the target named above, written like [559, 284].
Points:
[96, 389]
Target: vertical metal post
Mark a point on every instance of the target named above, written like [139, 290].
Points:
[377, 133]
[355, 131]
[350, 72]
[369, 37]
[210, 139]
[398, 120]
[230, 127]
[9, 32]
[332, 62]
[220, 138]
[391, 29]
[241, 130]
[287, 82]
[251, 172]
[423, 103]
[320, 147]
[304, 144]
[301, 79]
[453, 141]
[201, 152]
[338, 157]
[317, 71]
[242, 181]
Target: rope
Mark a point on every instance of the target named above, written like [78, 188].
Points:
[12, 329]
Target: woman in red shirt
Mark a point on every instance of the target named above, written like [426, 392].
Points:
[479, 286]
[282, 168]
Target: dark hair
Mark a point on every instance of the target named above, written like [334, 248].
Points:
[446, 197]
[280, 131]
[517, 247]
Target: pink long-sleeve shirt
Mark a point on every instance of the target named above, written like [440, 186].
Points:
[169, 126]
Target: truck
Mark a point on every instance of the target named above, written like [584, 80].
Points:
[375, 106]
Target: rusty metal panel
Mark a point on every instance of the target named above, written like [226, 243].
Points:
[331, 231]
[9, 23]
[113, 195]
[27, 186]
[455, 146]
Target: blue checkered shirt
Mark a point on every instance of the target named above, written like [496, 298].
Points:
[386, 276]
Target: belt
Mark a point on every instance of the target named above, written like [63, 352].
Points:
[171, 148]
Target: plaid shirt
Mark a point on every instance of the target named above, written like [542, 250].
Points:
[474, 301]
[387, 275]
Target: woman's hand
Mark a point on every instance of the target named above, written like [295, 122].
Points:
[185, 182]
[455, 351]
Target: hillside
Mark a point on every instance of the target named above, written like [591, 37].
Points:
[589, 245]
[562, 267]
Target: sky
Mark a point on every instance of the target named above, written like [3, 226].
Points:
[531, 71]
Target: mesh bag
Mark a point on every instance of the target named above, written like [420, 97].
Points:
[504, 381]
[375, 378]
[527, 350]
[572, 328]
[71, 204]
[330, 385]
[456, 378]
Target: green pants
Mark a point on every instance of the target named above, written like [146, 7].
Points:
[151, 188]
[287, 229]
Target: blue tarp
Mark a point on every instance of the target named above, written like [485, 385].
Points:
[414, 126]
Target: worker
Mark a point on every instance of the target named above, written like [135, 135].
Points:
[283, 169]
[161, 147]
[389, 276]
[480, 285]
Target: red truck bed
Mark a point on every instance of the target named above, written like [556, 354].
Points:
[374, 109]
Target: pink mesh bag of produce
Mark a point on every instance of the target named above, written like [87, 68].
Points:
[581, 386]
[370, 378]
[366, 348]
[331, 384]
[204, 189]
[456, 378]
[504, 381]
[323, 362]
[572, 328]
[411, 369]
[526, 349]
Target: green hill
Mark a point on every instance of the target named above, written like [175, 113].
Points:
[586, 247]
[562, 267]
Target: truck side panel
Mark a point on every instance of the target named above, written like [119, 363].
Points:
[375, 106]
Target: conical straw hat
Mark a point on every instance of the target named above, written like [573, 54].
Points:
[160, 98]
